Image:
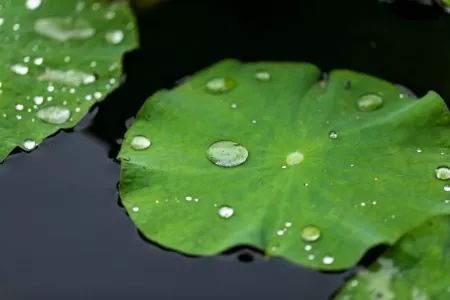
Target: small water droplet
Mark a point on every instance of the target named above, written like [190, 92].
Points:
[442, 173]
[227, 154]
[311, 257]
[140, 142]
[38, 61]
[447, 188]
[19, 107]
[280, 232]
[220, 85]
[370, 102]
[288, 224]
[29, 144]
[135, 208]
[418, 150]
[310, 233]
[328, 260]
[234, 105]
[263, 76]
[64, 29]
[333, 135]
[308, 248]
[54, 114]
[226, 212]
[294, 158]
[114, 37]
[33, 4]
[20, 69]
[188, 198]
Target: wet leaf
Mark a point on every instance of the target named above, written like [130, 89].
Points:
[271, 155]
[415, 268]
[58, 58]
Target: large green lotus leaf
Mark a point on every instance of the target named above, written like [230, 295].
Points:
[325, 178]
[57, 59]
[417, 267]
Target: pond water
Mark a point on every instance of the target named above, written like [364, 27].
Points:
[63, 234]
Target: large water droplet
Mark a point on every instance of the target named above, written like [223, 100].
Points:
[294, 158]
[226, 212]
[19, 69]
[64, 29]
[114, 37]
[54, 114]
[442, 173]
[67, 77]
[227, 154]
[328, 260]
[370, 102]
[33, 4]
[29, 144]
[140, 142]
[310, 233]
[220, 85]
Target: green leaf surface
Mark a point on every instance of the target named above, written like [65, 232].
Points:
[417, 267]
[330, 170]
[57, 59]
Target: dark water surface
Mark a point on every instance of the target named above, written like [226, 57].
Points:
[62, 234]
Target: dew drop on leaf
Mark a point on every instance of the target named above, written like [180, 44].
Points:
[220, 85]
[442, 173]
[33, 4]
[328, 260]
[333, 135]
[294, 158]
[54, 114]
[29, 144]
[19, 69]
[227, 154]
[114, 37]
[263, 76]
[63, 29]
[370, 102]
[67, 77]
[447, 188]
[140, 142]
[311, 233]
[226, 212]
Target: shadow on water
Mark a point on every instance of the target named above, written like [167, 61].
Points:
[64, 237]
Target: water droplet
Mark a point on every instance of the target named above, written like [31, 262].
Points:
[135, 208]
[263, 76]
[114, 37]
[38, 61]
[29, 144]
[328, 260]
[280, 232]
[311, 257]
[20, 69]
[308, 248]
[33, 4]
[447, 188]
[310, 233]
[294, 158]
[64, 29]
[67, 77]
[226, 212]
[288, 224]
[140, 142]
[19, 107]
[333, 135]
[418, 150]
[234, 105]
[370, 102]
[227, 154]
[220, 85]
[188, 198]
[442, 173]
[54, 114]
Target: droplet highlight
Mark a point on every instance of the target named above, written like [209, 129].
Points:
[442, 173]
[63, 29]
[294, 158]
